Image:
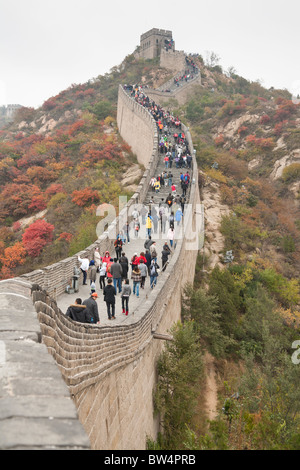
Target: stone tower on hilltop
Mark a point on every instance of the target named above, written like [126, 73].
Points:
[153, 42]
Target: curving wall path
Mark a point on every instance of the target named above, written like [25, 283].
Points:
[109, 370]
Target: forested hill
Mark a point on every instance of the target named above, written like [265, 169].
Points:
[58, 162]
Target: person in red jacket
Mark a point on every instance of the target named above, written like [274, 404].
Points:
[141, 257]
[106, 257]
[134, 261]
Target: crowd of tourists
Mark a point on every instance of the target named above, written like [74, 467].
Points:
[117, 275]
[188, 74]
[114, 273]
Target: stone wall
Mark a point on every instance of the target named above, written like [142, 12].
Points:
[136, 127]
[110, 371]
[172, 60]
[181, 94]
[36, 410]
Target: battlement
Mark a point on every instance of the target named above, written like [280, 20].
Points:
[155, 40]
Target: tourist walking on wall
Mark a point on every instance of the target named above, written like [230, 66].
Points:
[124, 263]
[143, 268]
[109, 293]
[169, 201]
[149, 224]
[171, 220]
[136, 227]
[134, 261]
[170, 236]
[97, 259]
[92, 272]
[178, 216]
[144, 212]
[135, 213]
[157, 186]
[116, 272]
[126, 230]
[153, 251]
[102, 275]
[136, 277]
[84, 266]
[92, 308]
[153, 273]
[165, 255]
[118, 246]
[126, 291]
[106, 257]
[148, 258]
[148, 243]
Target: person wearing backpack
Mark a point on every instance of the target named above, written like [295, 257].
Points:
[136, 277]
[153, 273]
[153, 251]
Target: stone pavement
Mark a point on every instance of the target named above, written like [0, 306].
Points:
[136, 245]
[36, 410]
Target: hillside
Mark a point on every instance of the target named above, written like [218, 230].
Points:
[246, 308]
[58, 163]
[248, 142]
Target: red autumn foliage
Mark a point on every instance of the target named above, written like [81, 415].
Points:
[285, 110]
[242, 130]
[76, 127]
[12, 257]
[37, 236]
[219, 140]
[54, 188]
[38, 203]
[16, 199]
[65, 236]
[16, 226]
[49, 104]
[265, 119]
[262, 143]
[84, 197]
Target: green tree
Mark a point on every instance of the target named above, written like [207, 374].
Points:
[102, 109]
[203, 309]
[179, 370]
[222, 286]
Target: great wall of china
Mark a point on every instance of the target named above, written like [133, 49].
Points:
[76, 386]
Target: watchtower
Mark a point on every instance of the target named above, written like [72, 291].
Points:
[153, 41]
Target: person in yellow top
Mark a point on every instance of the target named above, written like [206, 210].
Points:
[157, 186]
[149, 224]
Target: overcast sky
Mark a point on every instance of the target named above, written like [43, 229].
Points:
[46, 46]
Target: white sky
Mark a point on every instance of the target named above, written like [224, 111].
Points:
[47, 46]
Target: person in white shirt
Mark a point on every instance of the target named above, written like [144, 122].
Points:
[84, 266]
